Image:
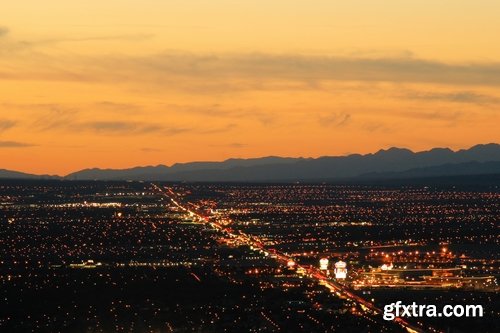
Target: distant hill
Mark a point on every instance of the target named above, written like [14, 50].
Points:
[8, 174]
[445, 170]
[390, 163]
[162, 172]
[282, 169]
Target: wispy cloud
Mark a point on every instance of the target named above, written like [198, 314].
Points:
[257, 67]
[228, 72]
[374, 126]
[15, 144]
[5, 124]
[235, 145]
[107, 127]
[469, 97]
[125, 37]
[219, 111]
[55, 116]
[335, 119]
[72, 120]
[3, 31]
[51, 116]
[116, 127]
[75, 119]
[117, 106]
[433, 115]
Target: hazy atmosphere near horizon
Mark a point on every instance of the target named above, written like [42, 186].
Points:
[116, 84]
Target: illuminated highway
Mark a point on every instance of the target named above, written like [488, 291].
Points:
[311, 272]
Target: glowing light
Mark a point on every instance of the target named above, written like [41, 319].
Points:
[386, 267]
[340, 270]
[323, 264]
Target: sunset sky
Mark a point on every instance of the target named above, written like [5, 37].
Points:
[122, 83]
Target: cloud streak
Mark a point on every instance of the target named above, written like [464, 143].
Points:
[129, 37]
[5, 124]
[229, 72]
[15, 144]
[306, 69]
[71, 123]
[469, 97]
[219, 111]
[3, 31]
[234, 145]
[335, 119]
[119, 127]
[433, 115]
[108, 127]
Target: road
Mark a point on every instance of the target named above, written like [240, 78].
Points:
[314, 273]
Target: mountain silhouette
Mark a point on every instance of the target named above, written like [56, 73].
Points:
[8, 174]
[393, 162]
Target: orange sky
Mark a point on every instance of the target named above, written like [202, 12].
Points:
[121, 83]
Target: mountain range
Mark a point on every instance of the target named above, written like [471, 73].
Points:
[394, 163]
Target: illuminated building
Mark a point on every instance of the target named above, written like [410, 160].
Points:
[323, 264]
[340, 270]
[86, 264]
[386, 267]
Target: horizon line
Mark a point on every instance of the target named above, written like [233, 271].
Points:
[252, 158]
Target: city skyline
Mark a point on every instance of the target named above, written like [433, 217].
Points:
[121, 84]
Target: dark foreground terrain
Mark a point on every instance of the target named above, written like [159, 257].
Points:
[121, 257]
